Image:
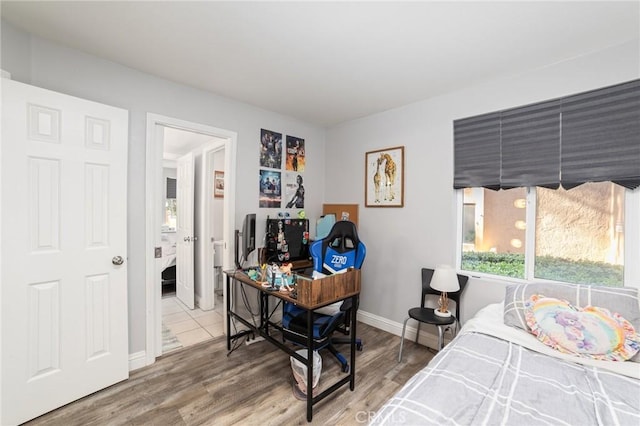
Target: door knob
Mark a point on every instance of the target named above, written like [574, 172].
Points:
[187, 239]
[195, 238]
[117, 260]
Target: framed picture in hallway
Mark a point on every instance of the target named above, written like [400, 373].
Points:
[218, 184]
[384, 177]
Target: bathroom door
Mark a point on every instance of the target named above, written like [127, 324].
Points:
[64, 249]
[185, 231]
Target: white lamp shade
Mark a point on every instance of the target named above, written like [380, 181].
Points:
[445, 279]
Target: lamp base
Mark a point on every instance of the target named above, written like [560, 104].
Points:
[445, 314]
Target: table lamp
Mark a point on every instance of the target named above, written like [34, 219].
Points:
[444, 280]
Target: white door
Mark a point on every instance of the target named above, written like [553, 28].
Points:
[210, 215]
[184, 231]
[63, 249]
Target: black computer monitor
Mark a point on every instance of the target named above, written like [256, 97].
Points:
[246, 239]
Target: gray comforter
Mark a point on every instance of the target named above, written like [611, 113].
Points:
[483, 380]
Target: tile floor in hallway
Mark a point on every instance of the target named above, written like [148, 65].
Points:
[191, 326]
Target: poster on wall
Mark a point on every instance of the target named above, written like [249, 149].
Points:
[295, 154]
[270, 189]
[294, 190]
[270, 149]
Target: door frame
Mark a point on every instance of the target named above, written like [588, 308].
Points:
[153, 191]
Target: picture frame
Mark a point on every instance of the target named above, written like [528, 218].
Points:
[384, 177]
[218, 184]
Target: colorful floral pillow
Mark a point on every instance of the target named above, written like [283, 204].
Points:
[591, 332]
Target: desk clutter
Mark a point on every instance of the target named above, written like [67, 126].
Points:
[307, 290]
[274, 277]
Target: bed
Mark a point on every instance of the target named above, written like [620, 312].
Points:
[168, 244]
[496, 371]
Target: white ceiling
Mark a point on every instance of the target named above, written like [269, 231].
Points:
[329, 62]
[179, 142]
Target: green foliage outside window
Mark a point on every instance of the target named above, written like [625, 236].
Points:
[503, 264]
[172, 207]
[547, 267]
[579, 272]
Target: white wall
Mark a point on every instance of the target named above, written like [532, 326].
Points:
[400, 241]
[45, 64]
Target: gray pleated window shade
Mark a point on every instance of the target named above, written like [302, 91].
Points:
[477, 152]
[589, 137]
[601, 136]
[171, 188]
[531, 146]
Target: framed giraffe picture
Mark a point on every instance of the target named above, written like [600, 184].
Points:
[384, 178]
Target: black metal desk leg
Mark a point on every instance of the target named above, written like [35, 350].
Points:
[352, 372]
[264, 313]
[228, 313]
[309, 365]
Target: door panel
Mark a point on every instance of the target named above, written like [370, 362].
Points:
[64, 302]
[185, 231]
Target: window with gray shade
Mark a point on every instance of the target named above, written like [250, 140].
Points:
[588, 137]
[601, 136]
[171, 188]
[477, 152]
[530, 146]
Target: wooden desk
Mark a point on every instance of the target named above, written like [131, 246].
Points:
[312, 294]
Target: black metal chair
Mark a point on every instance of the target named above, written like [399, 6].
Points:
[427, 315]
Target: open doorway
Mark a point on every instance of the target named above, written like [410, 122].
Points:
[192, 247]
[195, 154]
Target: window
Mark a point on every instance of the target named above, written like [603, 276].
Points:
[532, 228]
[170, 214]
[498, 230]
[577, 235]
[170, 205]
[580, 234]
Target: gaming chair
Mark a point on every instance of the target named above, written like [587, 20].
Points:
[339, 250]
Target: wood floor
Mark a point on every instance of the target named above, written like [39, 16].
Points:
[201, 385]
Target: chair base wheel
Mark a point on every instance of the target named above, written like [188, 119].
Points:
[359, 346]
[345, 368]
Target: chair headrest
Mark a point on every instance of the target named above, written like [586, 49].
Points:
[343, 236]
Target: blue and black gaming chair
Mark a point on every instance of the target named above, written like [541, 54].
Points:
[339, 250]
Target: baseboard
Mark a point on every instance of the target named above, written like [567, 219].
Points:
[426, 338]
[137, 360]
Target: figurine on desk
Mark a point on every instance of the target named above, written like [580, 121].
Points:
[287, 277]
[280, 277]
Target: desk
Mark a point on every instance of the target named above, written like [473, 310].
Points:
[309, 300]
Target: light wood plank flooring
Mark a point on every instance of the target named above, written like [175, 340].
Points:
[201, 385]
